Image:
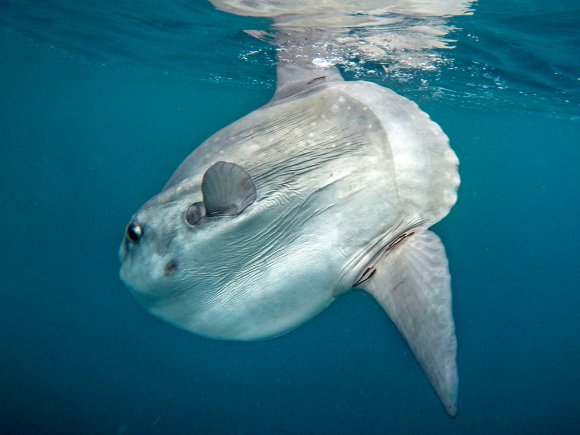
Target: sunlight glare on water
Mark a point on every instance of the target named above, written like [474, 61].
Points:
[463, 52]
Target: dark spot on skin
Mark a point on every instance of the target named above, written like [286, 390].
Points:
[395, 288]
[322, 78]
[170, 267]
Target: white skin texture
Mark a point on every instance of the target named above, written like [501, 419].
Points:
[337, 169]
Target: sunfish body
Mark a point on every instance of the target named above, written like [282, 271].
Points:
[331, 186]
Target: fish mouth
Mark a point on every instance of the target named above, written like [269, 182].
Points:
[147, 274]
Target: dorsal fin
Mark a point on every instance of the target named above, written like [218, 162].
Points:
[294, 78]
[303, 62]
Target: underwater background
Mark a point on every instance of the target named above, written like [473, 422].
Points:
[99, 103]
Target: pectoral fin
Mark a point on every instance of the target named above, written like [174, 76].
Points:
[412, 284]
[227, 189]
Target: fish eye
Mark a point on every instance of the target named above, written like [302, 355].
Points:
[134, 232]
[195, 213]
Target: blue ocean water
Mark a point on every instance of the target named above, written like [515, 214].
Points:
[100, 101]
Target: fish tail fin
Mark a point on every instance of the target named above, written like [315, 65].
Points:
[413, 285]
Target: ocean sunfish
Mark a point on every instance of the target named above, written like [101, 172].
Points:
[329, 187]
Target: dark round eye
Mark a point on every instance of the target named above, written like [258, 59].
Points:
[134, 232]
[195, 213]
